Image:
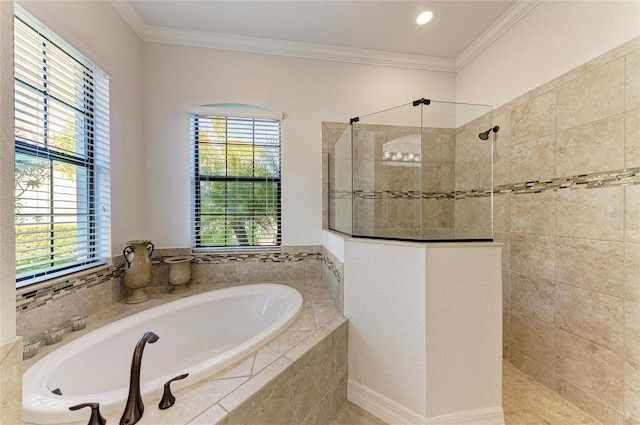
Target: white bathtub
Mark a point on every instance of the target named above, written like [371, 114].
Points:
[199, 335]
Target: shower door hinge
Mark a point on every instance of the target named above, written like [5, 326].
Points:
[352, 120]
[422, 101]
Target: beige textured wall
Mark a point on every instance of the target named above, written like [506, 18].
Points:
[571, 263]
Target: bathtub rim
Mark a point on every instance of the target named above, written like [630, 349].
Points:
[153, 388]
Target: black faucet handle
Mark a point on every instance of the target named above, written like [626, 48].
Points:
[167, 398]
[96, 418]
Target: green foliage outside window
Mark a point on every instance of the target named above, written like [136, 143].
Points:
[238, 185]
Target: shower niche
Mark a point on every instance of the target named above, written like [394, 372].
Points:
[420, 172]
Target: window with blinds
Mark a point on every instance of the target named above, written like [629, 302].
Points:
[62, 195]
[236, 181]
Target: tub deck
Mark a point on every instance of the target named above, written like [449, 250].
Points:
[305, 366]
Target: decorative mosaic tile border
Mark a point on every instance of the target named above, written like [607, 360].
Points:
[252, 257]
[333, 268]
[38, 297]
[35, 298]
[624, 177]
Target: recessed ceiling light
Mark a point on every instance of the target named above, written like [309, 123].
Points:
[425, 15]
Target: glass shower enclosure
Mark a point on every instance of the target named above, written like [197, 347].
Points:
[420, 172]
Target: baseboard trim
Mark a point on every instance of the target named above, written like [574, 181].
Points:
[488, 416]
[396, 414]
[378, 405]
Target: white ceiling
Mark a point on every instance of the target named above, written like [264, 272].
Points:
[357, 30]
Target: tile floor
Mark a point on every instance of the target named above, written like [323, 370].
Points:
[525, 402]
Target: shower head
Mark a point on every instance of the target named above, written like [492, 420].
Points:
[485, 134]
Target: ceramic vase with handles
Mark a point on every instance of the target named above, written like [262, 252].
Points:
[137, 270]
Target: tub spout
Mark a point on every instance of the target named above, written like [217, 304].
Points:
[134, 408]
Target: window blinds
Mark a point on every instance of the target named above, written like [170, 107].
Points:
[62, 197]
[236, 181]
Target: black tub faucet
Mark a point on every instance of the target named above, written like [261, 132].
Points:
[134, 408]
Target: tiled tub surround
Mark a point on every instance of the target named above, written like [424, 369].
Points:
[41, 307]
[333, 277]
[290, 263]
[86, 293]
[298, 378]
[567, 208]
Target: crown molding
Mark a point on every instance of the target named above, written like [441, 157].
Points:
[131, 16]
[159, 34]
[297, 49]
[516, 12]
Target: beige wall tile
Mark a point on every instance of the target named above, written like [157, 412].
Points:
[596, 95]
[632, 77]
[507, 107]
[501, 164]
[632, 138]
[365, 143]
[438, 147]
[432, 213]
[591, 213]
[11, 382]
[533, 254]
[331, 132]
[503, 121]
[533, 338]
[632, 213]
[589, 403]
[533, 296]
[89, 300]
[474, 169]
[614, 54]
[312, 377]
[404, 213]
[595, 370]
[632, 331]
[485, 215]
[502, 149]
[534, 119]
[364, 174]
[532, 368]
[534, 213]
[191, 402]
[591, 264]
[631, 421]
[277, 348]
[266, 397]
[438, 177]
[592, 147]
[501, 212]
[398, 178]
[505, 239]
[555, 83]
[364, 213]
[632, 390]
[506, 324]
[215, 415]
[341, 176]
[270, 271]
[632, 271]
[590, 315]
[534, 160]
[467, 213]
